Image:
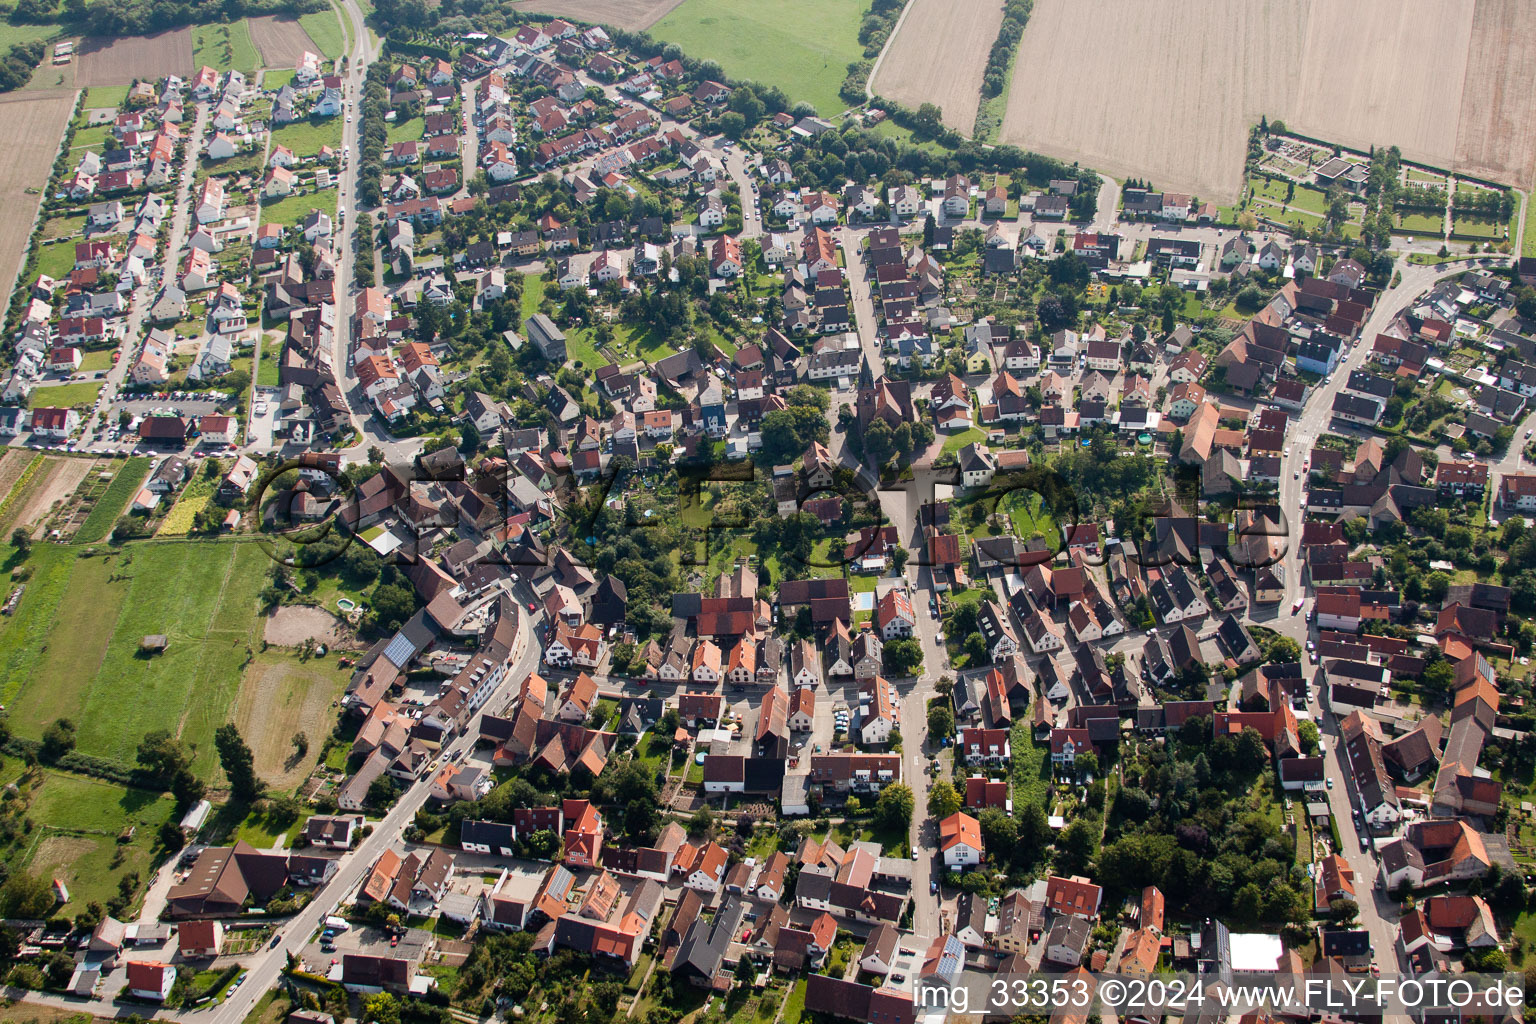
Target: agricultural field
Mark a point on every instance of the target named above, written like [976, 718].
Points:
[284, 694]
[109, 504]
[79, 840]
[72, 648]
[1183, 80]
[123, 60]
[939, 56]
[280, 39]
[225, 47]
[631, 14]
[193, 499]
[802, 46]
[49, 491]
[31, 125]
[325, 32]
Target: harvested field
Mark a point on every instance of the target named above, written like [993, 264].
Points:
[1177, 84]
[631, 14]
[31, 124]
[939, 57]
[1180, 81]
[122, 61]
[63, 477]
[281, 40]
[282, 695]
[291, 625]
[1496, 136]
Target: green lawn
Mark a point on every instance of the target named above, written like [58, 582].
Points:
[291, 210]
[1528, 240]
[266, 373]
[802, 46]
[81, 820]
[306, 137]
[954, 442]
[225, 46]
[262, 831]
[11, 34]
[72, 647]
[1031, 768]
[130, 476]
[1468, 227]
[1422, 223]
[1303, 198]
[275, 78]
[99, 359]
[56, 259]
[794, 1006]
[93, 137]
[325, 29]
[404, 131]
[63, 396]
[582, 349]
[104, 96]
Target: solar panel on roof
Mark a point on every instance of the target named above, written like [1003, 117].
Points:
[400, 650]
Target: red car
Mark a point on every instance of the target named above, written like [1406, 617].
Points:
[532, 607]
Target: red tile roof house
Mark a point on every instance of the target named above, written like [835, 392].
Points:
[1076, 896]
[199, 939]
[149, 979]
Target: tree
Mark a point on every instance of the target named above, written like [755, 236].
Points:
[640, 818]
[168, 763]
[878, 443]
[1052, 314]
[1435, 681]
[941, 722]
[893, 808]
[239, 766]
[382, 792]
[171, 836]
[26, 895]
[1306, 732]
[1344, 911]
[999, 832]
[381, 1008]
[943, 799]
[976, 648]
[903, 656]
[1282, 650]
[1074, 848]
[1086, 763]
[21, 540]
[58, 739]
[392, 604]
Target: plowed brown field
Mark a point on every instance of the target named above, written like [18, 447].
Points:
[1172, 85]
[939, 56]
